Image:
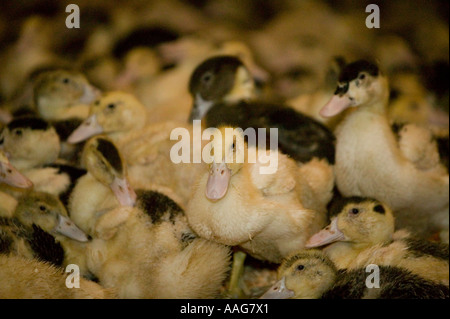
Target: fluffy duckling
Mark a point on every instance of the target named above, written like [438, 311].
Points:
[34, 146]
[23, 278]
[222, 89]
[104, 186]
[116, 114]
[366, 147]
[311, 275]
[63, 94]
[155, 255]
[122, 117]
[235, 204]
[41, 223]
[362, 233]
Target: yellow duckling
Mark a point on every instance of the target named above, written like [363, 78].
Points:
[369, 162]
[63, 94]
[104, 186]
[362, 233]
[237, 205]
[23, 278]
[310, 274]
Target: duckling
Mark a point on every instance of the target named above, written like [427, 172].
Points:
[41, 223]
[23, 278]
[63, 94]
[366, 146]
[34, 146]
[122, 118]
[362, 233]
[148, 259]
[310, 274]
[116, 113]
[235, 204]
[222, 89]
[104, 186]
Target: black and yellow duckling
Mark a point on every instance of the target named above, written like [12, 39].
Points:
[40, 228]
[362, 233]
[222, 90]
[371, 163]
[310, 274]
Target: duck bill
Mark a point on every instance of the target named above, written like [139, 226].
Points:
[88, 128]
[67, 227]
[123, 192]
[218, 180]
[328, 235]
[336, 105]
[278, 291]
[90, 94]
[11, 176]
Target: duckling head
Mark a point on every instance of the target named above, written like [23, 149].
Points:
[57, 90]
[30, 142]
[10, 175]
[114, 112]
[219, 79]
[104, 162]
[140, 63]
[360, 221]
[360, 83]
[47, 212]
[304, 275]
[227, 150]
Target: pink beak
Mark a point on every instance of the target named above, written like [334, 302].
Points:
[11, 176]
[218, 181]
[123, 191]
[336, 105]
[328, 235]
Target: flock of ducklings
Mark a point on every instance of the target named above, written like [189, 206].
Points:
[87, 179]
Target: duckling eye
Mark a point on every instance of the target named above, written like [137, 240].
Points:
[42, 208]
[300, 267]
[207, 77]
[18, 132]
[362, 76]
[354, 211]
[111, 106]
[66, 80]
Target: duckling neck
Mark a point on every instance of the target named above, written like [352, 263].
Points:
[344, 253]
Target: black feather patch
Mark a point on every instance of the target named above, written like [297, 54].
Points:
[45, 246]
[74, 174]
[65, 127]
[336, 207]
[420, 247]
[110, 153]
[352, 70]
[5, 242]
[379, 209]
[28, 122]
[158, 206]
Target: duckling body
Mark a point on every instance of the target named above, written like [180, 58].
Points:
[254, 211]
[144, 257]
[23, 278]
[367, 147]
[362, 233]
